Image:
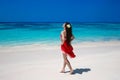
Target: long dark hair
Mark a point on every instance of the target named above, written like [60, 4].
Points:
[68, 32]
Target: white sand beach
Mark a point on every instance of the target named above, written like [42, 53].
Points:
[94, 61]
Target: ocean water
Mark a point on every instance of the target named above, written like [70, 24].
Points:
[49, 33]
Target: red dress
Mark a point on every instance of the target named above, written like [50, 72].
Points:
[67, 49]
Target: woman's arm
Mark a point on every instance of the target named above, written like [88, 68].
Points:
[72, 37]
[63, 36]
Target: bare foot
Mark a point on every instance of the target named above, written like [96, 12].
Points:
[62, 71]
[71, 72]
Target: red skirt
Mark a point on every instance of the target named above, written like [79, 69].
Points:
[67, 49]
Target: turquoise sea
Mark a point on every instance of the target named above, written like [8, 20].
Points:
[49, 33]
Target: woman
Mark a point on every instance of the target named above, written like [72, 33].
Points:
[66, 47]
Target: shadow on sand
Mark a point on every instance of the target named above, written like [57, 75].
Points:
[81, 70]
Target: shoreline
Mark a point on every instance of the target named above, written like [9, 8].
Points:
[80, 44]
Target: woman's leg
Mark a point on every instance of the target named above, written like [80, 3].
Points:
[64, 64]
[66, 61]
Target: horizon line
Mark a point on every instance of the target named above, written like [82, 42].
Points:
[58, 22]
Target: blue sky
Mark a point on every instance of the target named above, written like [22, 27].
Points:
[59, 10]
